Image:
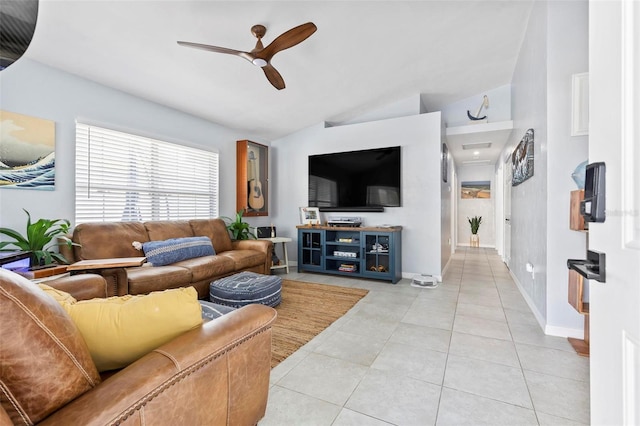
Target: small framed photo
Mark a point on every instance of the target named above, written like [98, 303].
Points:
[310, 215]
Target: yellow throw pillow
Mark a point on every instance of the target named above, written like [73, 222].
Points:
[120, 330]
[59, 295]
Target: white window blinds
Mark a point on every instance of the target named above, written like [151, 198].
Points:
[123, 177]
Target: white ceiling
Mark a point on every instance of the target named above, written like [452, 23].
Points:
[365, 54]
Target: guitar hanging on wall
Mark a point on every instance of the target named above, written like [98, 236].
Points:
[255, 195]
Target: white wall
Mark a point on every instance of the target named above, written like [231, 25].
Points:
[420, 214]
[402, 108]
[567, 54]
[468, 208]
[30, 88]
[529, 199]
[446, 211]
[555, 47]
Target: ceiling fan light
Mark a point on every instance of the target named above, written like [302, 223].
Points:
[259, 62]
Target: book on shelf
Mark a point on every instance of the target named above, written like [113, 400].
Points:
[348, 267]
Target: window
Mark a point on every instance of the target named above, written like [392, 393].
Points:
[123, 177]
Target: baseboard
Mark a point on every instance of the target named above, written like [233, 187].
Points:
[564, 332]
[541, 321]
[481, 245]
[446, 267]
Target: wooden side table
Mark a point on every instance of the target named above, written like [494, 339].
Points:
[284, 241]
[118, 262]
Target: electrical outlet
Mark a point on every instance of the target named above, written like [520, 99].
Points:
[531, 270]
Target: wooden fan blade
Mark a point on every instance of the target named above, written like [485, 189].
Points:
[287, 39]
[249, 57]
[273, 76]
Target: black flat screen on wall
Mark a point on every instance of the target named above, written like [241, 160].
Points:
[356, 179]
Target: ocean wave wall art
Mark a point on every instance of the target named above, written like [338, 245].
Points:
[27, 152]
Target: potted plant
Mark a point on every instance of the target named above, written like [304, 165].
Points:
[475, 226]
[38, 240]
[239, 230]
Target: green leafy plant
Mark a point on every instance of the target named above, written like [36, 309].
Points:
[38, 240]
[239, 230]
[475, 224]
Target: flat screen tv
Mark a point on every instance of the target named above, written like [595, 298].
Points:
[366, 180]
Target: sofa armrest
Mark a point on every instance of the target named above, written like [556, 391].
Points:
[215, 374]
[116, 280]
[65, 250]
[263, 246]
[82, 287]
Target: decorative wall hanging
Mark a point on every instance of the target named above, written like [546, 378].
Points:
[475, 189]
[252, 184]
[477, 118]
[522, 159]
[27, 152]
[445, 162]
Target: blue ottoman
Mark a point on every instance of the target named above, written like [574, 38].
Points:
[246, 288]
[211, 311]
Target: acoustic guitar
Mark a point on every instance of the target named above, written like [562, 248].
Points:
[256, 198]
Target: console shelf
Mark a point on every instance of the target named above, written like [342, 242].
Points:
[365, 252]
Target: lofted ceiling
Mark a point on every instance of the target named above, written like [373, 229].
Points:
[364, 55]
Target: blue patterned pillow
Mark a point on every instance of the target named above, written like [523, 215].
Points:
[174, 250]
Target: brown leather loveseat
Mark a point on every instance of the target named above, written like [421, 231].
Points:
[216, 374]
[114, 240]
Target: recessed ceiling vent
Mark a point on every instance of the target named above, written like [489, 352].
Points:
[477, 162]
[479, 145]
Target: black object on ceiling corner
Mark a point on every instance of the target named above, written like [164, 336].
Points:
[18, 19]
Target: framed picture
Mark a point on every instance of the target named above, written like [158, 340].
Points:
[475, 189]
[445, 162]
[27, 152]
[522, 160]
[310, 215]
[252, 183]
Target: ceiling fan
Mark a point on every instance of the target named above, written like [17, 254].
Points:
[261, 56]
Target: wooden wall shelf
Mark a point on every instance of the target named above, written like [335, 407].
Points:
[576, 299]
[576, 221]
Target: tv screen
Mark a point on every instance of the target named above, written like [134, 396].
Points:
[359, 180]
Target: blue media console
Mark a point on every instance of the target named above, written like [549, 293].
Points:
[363, 252]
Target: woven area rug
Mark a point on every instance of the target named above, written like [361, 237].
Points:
[307, 309]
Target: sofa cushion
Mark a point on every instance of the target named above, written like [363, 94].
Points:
[45, 361]
[244, 259]
[203, 268]
[216, 230]
[108, 239]
[120, 330]
[146, 279]
[167, 252]
[165, 229]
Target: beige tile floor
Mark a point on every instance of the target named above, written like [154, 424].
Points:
[469, 352]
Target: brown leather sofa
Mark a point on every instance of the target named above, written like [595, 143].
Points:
[114, 240]
[217, 374]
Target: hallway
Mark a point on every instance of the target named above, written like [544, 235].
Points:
[467, 352]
